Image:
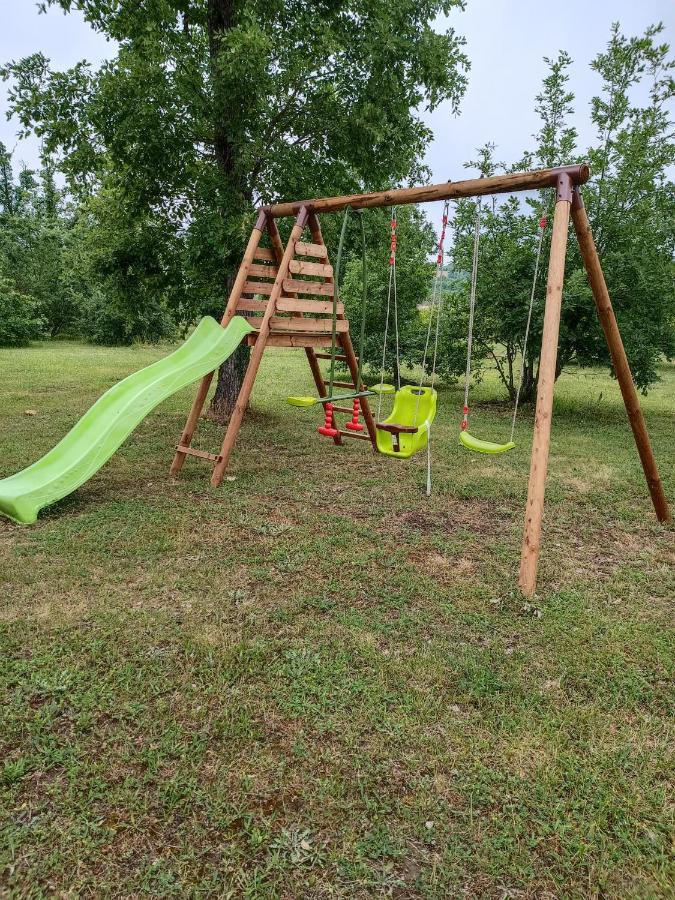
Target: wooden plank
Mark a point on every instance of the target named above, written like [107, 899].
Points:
[292, 340]
[300, 267]
[446, 190]
[247, 305]
[339, 356]
[200, 454]
[358, 435]
[292, 304]
[295, 286]
[257, 287]
[264, 253]
[317, 250]
[263, 271]
[343, 409]
[279, 323]
[340, 384]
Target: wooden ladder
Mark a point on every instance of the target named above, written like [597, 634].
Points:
[287, 296]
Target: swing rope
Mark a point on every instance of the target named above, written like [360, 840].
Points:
[435, 308]
[472, 310]
[391, 292]
[542, 229]
[469, 350]
[435, 312]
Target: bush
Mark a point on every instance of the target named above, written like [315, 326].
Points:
[110, 323]
[19, 322]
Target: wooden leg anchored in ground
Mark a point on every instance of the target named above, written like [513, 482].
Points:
[603, 303]
[534, 511]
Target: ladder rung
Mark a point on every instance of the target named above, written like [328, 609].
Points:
[302, 248]
[339, 356]
[344, 384]
[200, 454]
[358, 435]
[262, 271]
[343, 409]
[264, 253]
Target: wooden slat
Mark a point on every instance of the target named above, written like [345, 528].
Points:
[257, 287]
[247, 305]
[320, 326]
[291, 304]
[299, 267]
[295, 286]
[317, 250]
[263, 271]
[200, 454]
[342, 384]
[359, 435]
[343, 409]
[264, 253]
[292, 340]
[339, 356]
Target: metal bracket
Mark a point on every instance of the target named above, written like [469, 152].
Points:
[564, 187]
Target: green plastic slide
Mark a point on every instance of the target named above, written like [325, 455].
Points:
[101, 430]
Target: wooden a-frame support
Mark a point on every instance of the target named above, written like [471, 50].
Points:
[293, 328]
[283, 296]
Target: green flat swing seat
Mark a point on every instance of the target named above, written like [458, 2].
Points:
[406, 431]
[475, 444]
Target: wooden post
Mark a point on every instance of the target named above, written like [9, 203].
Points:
[230, 309]
[534, 511]
[257, 352]
[608, 321]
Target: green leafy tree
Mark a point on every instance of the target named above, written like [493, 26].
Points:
[631, 206]
[212, 106]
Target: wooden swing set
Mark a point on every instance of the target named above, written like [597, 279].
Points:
[296, 283]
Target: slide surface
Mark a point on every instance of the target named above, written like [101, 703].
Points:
[101, 430]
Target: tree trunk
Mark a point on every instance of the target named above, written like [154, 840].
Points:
[221, 19]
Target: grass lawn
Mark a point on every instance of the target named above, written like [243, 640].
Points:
[317, 682]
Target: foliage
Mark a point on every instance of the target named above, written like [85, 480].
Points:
[631, 205]
[19, 322]
[209, 108]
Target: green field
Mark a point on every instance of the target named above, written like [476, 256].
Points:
[316, 682]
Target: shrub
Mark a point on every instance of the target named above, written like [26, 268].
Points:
[107, 322]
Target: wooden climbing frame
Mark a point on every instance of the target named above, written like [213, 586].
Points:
[287, 293]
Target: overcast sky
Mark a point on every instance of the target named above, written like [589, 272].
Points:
[506, 40]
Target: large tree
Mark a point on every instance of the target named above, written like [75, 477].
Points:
[212, 106]
[631, 205]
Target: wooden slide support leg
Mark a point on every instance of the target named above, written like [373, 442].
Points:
[205, 384]
[257, 352]
[603, 303]
[534, 511]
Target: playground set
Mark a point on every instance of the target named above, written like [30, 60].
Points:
[289, 295]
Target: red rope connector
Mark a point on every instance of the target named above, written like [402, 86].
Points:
[328, 428]
[543, 222]
[354, 424]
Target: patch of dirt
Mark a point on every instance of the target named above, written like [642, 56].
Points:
[477, 515]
